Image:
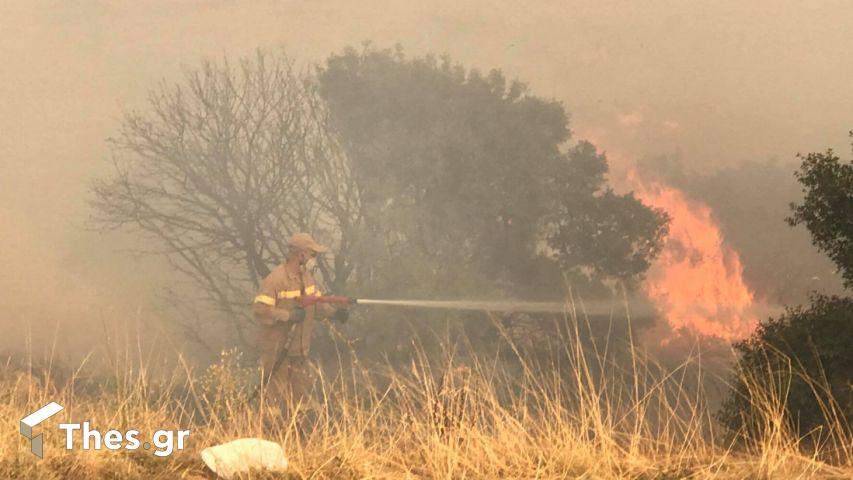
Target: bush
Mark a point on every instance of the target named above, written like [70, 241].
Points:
[804, 362]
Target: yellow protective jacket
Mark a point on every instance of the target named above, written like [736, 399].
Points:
[279, 294]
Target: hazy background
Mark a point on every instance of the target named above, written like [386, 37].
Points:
[713, 84]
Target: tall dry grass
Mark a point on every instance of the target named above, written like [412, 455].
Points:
[581, 412]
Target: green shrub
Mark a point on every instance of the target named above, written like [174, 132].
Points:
[803, 362]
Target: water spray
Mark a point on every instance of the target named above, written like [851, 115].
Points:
[507, 306]
[488, 306]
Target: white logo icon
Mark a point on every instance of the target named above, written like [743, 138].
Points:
[33, 419]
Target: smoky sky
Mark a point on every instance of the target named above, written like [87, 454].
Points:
[715, 83]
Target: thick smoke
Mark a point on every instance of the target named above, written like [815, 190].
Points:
[668, 77]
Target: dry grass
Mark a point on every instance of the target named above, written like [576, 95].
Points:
[586, 417]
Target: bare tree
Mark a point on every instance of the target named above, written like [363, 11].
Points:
[219, 170]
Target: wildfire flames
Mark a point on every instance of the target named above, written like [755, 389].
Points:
[697, 282]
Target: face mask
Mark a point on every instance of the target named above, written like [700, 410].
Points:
[310, 264]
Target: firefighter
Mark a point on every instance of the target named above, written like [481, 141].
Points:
[285, 327]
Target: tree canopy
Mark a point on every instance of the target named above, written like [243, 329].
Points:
[827, 209]
[471, 172]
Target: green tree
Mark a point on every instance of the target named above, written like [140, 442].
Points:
[827, 209]
[804, 357]
[590, 225]
[465, 173]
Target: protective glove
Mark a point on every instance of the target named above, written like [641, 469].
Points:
[297, 315]
[341, 315]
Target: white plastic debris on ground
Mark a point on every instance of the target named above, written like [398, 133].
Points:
[242, 455]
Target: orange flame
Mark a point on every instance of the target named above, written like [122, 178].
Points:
[697, 281]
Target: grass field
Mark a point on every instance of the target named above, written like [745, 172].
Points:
[584, 418]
